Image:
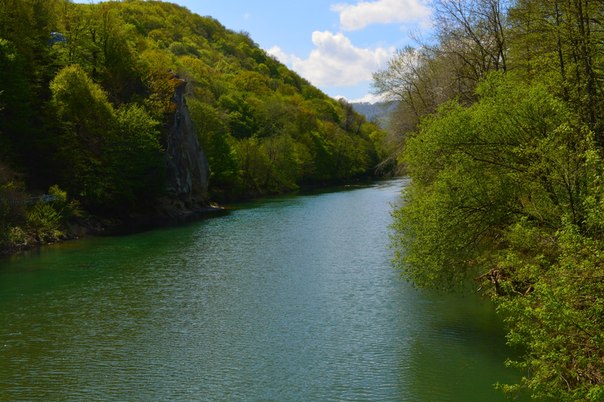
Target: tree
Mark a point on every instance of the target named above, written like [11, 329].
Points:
[87, 119]
[506, 191]
[27, 67]
[558, 323]
[561, 43]
[15, 102]
[472, 34]
[134, 158]
[507, 175]
[218, 146]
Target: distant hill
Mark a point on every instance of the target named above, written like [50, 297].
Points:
[375, 112]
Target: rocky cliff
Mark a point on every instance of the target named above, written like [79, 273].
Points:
[187, 173]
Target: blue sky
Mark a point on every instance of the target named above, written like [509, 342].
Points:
[335, 44]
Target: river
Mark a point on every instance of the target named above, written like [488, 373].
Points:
[286, 299]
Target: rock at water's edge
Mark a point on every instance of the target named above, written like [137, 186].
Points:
[188, 173]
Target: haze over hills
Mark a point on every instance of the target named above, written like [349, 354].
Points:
[378, 112]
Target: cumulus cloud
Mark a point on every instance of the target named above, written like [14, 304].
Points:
[367, 98]
[280, 55]
[335, 61]
[364, 13]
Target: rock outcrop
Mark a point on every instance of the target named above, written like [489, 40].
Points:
[187, 171]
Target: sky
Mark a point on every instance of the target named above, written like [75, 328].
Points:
[334, 44]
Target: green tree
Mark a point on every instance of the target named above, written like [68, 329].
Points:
[497, 188]
[134, 159]
[87, 120]
[561, 43]
[240, 115]
[15, 102]
[558, 322]
[218, 146]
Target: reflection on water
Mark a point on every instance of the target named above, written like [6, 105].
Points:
[288, 299]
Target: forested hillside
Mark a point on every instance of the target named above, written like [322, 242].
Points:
[503, 122]
[86, 95]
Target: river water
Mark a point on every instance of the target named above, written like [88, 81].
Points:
[286, 299]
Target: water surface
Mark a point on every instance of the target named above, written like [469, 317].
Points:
[291, 298]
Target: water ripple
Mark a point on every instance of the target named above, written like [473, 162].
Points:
[292, 299]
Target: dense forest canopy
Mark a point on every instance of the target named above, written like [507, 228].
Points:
[85, 92]
[503, 123]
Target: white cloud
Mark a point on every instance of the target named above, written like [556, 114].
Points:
[364, 13]
[335, 61]
[368, 98]
[283, 57]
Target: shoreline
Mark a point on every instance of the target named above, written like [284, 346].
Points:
[96, 226]
[99, 226]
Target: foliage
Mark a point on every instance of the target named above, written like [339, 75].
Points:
[88, 112]
[86, 117]
[490, 165]
[507, 177]
[560, 322]
[26, 220]
[504, 174]
[134, 158]
[11, 200]
[46, 219]
[43, 221]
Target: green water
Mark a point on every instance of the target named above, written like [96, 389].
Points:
[287, 299]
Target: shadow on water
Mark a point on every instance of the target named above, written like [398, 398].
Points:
[461, 341]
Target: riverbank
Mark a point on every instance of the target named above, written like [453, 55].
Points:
[21, 239]
[79, 225]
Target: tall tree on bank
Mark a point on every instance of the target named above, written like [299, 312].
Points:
[563, 41]
[471, 41]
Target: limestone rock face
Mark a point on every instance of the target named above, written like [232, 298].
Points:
[187, 167]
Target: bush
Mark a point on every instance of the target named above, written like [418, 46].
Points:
[44, 222]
